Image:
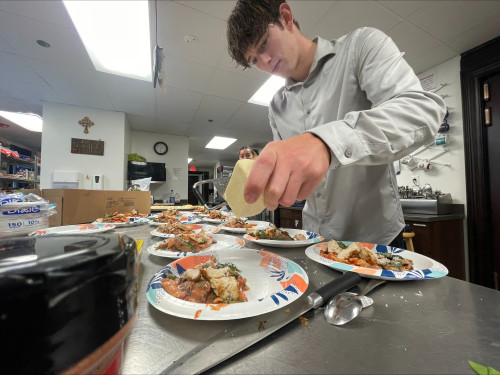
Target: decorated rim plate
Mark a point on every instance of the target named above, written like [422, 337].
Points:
[259, 224]
[131, 221]
[183, 219]
[311, 237]
[73, 229]
[424, 267]
[215, 221]
[274, 283]
[196, 227]
[223, 242]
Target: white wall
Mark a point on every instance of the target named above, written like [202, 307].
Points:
[60, 124]
[175, 161]
[447, 179]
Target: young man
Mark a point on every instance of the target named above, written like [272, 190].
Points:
[349, 108]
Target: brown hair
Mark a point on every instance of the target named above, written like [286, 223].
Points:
[247, 24]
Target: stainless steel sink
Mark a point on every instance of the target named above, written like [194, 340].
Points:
[439, 206]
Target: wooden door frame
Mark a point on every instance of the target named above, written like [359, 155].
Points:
[476, 65]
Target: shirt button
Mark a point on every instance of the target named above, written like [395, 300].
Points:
[392, 147]
[308, 111]
[348, 153]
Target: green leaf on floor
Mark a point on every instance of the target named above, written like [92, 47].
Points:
[483, 370]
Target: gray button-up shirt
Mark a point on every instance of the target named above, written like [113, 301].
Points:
[366, 103]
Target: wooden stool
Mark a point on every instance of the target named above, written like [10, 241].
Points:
[408, 239]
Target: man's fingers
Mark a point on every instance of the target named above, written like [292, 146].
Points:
[259, 176]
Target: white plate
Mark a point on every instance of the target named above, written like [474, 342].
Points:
[74, 229]
[196, 228]
[223, 242]
[311, 237]
[274, 282]
[183, 219]
[424, 267]
[260, 225]
[132, 221]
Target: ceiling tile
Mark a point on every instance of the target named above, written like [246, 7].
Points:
[49, 11]
[405, 8]
[219, 110]
[233, 86]
[431, 58]
[15, 68]
[175, 21]
[177, 105]
[187, 74]
[219, 9]
[308, 19]
[129, 89]
[487, 30]
[345, 16]
[65, 45]
[445, 20]
[412, 40]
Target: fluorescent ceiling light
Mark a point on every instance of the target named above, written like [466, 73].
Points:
[29, 121]
[190, 160]
[220, 143]
[115, 34]
[265, 93]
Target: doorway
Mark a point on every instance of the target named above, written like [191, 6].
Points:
[194, 177]
[482, 156]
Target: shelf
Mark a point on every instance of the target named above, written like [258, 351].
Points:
[3, 178]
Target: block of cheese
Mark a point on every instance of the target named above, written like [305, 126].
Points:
[234, 193]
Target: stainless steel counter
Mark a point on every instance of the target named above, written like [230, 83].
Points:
[414, 327]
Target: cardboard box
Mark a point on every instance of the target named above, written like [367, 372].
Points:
[76, 206]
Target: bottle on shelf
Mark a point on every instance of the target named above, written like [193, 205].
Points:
[171, 197]
[177, 198]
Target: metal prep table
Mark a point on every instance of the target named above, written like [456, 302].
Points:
[414, 327]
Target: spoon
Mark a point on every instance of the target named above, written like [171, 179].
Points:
[344, 307]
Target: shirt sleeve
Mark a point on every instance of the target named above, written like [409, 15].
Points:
[402, 118]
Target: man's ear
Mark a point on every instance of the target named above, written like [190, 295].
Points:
[286, 15]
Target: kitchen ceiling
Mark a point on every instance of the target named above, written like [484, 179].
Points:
[206, 94]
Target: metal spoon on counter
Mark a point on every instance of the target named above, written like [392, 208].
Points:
[344, 307]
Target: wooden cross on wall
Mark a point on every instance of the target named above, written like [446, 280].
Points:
[86, 123]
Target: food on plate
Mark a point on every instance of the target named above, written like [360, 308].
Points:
[273, 233]
[358, 255]
[117, 217]
[209, 282]
[234, 192]
[165, 217]
[236, 222]
[187, 242]
[216, 214]
[170, 212]
[174, 227]
[201, 210]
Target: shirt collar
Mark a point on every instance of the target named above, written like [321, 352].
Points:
[324, 49]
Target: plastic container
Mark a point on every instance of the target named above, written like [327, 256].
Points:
[68, 303]
[171, 197]
[19, 218]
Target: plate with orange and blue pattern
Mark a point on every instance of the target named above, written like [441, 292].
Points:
[274, 283]
[424, 268]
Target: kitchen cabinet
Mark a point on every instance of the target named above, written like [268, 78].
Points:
[442, 241]
[290, 217]
[27, 174]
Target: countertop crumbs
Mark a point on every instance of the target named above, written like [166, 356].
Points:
[303, 321]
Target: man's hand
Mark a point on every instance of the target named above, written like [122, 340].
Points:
[287, 171]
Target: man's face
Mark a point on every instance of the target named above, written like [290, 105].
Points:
[274, 53]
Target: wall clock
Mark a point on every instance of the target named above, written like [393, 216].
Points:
[160, 148]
